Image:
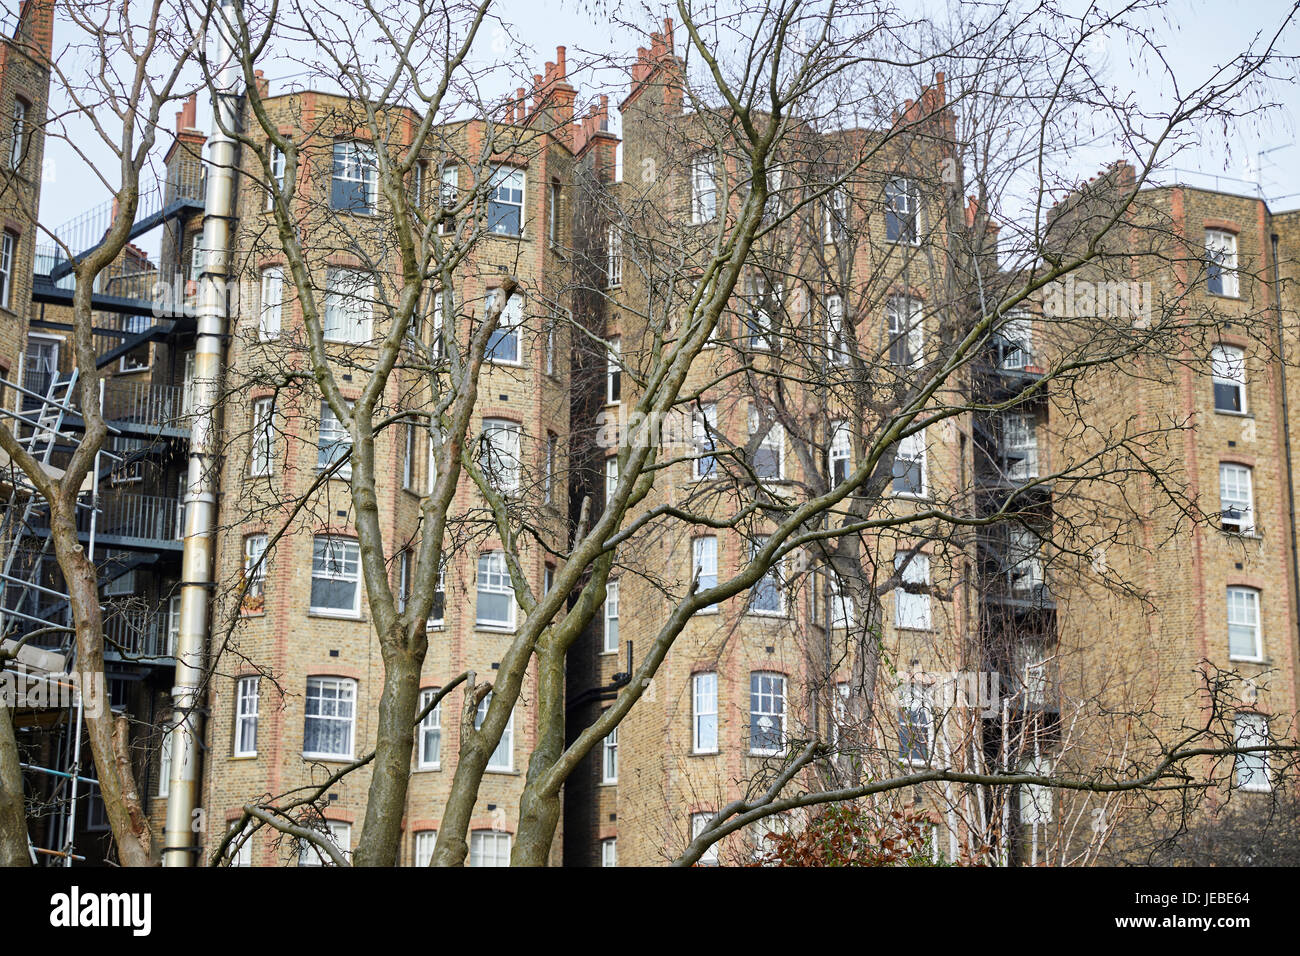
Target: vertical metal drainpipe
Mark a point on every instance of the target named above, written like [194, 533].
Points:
[181, 846]
[1286, 420]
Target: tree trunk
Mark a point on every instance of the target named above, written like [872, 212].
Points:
[13, 818]
[107, 737]
[539, 813]
[381, 834]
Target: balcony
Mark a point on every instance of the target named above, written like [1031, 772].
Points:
[139, 634]
[143, 407]
[125, 520]
[1020, 586]
[1007, 368]
[128, 520]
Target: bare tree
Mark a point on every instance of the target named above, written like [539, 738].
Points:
[757, 304]
[115, 73]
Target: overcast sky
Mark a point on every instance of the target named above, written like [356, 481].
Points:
[1197, 35]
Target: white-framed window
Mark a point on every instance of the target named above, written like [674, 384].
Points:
[449, 193]
[550, 344]
[704, 554]
[609, 757]
[610, 645]
[704, 425]
[489, 848]
[552, 457]
[1024, 561]
[165, 751]
[438, 613]
[499, 454]
[704, 189]
[1252, 770]
[335, 576]
[261, 452]
[504, 345]
[766, 713]
[553, 212]
[839, 716]
[506, 201]
[1245, 637]
[775, 204]
[417, 185]
[1017, 334]
[840, 605]
[254, 568]
[768, 595]
[915, 724]
[349, 305]
[18, 135]
[340, 834]
[243, 844]
[503, 758]
[839, 349]
[329, 718]
[1036, 803]
[355, 186]
[409, 432]
[495, 608]
[912, 609]
[41, 363]
[1020, 444]
[613, 257]
[704, 724]
[614, 371]
[765, 302]
[1236, 498]
[909, 466]
[906, 330]
[439, 303]
[902, 204]
[1221, 263]
[268, 321]
[835, 219]
[698, 822]
[173, 623]
[1228, 370]
[405, 566]
[277, 173]
[8, 241]
[246, 701]
[425, 841]
[611, 478]
[840, 453]
[335, 444]
[609, 852]
[769, 455]
[430, 756]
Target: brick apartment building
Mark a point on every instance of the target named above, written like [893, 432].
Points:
[294, 695]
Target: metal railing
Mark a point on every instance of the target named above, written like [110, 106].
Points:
[145, 403]
[137, 632]
[84, 232]
[127, 515]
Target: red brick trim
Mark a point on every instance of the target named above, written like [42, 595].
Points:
[1231, 458]
[331, 670]
[1227, 225]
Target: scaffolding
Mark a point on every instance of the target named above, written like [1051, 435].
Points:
[34, 615]
[122, 528]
